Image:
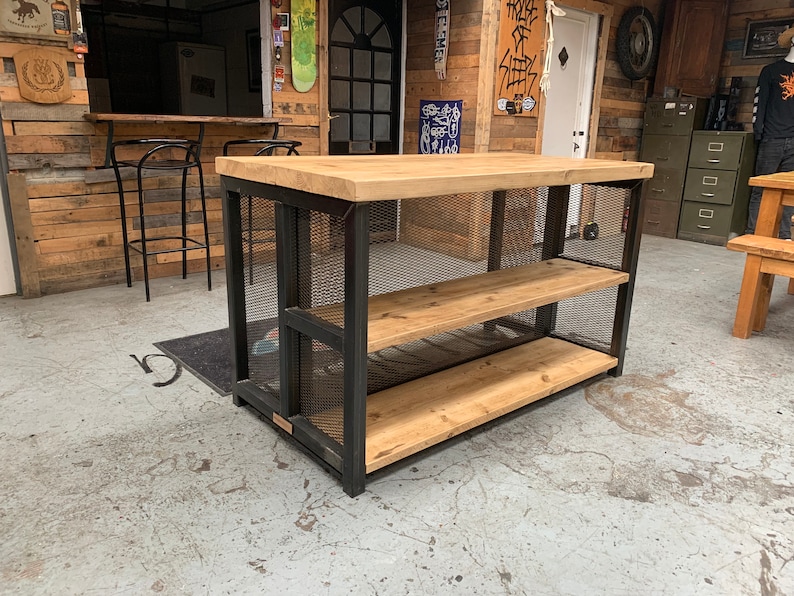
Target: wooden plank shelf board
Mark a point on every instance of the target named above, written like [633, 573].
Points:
[410, 417]
[414, 313]
[385, 177]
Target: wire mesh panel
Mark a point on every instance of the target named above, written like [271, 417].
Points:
[322, 387]
[600, 234]
[258, 243]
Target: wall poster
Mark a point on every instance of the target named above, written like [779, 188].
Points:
[518, 57]
[48, 19]
[439, 126]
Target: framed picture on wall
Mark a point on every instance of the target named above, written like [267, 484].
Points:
[35, 19]
[760, 40]
[254, 52]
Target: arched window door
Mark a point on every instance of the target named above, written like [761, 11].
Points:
[364, 77]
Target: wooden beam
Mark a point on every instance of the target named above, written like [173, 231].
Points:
[601, 60]
[487, 75]
[23, 234]
[322, 74]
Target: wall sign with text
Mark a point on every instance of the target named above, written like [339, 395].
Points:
[50, 19]
[518, 57]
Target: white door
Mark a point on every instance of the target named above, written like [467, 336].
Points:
[569, 100]
[7, 281]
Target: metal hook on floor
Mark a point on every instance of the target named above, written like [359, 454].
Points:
[142, 362]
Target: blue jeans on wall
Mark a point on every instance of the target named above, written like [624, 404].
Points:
[774, 155]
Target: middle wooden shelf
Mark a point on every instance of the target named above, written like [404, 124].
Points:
[406, 315]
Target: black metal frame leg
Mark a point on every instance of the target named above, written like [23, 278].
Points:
[355, 353]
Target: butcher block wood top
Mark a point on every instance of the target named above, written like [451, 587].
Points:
[363, 178]
[399, 317]
[410, 417]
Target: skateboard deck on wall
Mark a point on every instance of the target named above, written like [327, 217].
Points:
[303, 44]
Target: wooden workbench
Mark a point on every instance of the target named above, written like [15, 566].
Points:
[340, 326]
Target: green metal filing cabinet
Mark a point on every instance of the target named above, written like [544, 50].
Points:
[716, 191]
[665, 143]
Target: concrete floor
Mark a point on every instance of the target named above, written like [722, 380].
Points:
[674, 479]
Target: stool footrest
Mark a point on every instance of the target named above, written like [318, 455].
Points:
[763, 246]
[197, 245]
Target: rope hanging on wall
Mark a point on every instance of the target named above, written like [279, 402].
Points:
[551, 9]
[442, 38]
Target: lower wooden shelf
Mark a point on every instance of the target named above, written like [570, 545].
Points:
[407, 418]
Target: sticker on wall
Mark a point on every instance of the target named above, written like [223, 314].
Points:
[281, 21]
[278, 74]
[442, 38]
[439, 126]
[204, 86]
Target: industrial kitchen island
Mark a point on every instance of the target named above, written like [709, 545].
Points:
[382, 304]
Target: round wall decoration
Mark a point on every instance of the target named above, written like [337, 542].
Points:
[637, 42]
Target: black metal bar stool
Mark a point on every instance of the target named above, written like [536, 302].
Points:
[162, 155]
[267, 233]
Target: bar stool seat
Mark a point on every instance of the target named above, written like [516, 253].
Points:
[259, 232]
[163, 155]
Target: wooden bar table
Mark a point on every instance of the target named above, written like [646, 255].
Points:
[111, 119]
[388, 336]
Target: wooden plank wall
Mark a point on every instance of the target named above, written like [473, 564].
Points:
[301, 109]
[75, 224]
[733, 65]
[72, 209]
[462, 66]
[622, 100]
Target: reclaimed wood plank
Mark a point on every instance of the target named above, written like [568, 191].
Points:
[23, 236]
[400, 317]
[41, 112]
[406, 419]
[353, 178]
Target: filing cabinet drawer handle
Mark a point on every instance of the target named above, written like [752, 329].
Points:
[656, 223]
[715, 146]
[657, 190]
[710, 180]
[714, 161]
[704, 227]
[706, 213]
[667, 124]
[707, 194]
[660, 158]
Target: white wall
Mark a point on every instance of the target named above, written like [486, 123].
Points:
[7, 281]
[227, 28]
